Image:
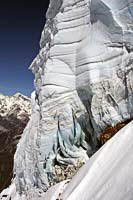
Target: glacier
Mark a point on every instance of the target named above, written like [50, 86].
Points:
[83, 84]
[106, 176]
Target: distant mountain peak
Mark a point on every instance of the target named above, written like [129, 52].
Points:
[17, 105]
[18, 94]
[15, 112]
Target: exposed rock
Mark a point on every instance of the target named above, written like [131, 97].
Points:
[84, 83]
[110, 131]
[14, 115]
[66, 172]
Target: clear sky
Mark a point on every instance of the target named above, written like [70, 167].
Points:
[21, 23]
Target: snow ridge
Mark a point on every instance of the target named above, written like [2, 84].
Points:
[16, 105]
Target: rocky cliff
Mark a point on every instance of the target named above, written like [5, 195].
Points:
[84, 84]
[15, 112]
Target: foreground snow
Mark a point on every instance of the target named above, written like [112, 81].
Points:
[108, 175]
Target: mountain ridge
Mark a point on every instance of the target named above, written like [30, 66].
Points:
[16, 104]
[15, 113]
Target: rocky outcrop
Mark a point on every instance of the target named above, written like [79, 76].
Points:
[15, 112]
[84, 83]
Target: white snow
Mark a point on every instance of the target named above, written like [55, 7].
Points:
[17, 104]
[108, 175]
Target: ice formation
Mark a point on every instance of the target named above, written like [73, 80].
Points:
[84, 83]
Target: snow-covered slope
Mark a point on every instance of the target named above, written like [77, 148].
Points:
[17, 105]
[108, 175]
[84, 84]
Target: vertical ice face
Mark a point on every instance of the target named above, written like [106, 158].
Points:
[84, 83]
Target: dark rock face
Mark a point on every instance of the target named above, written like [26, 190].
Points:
[13, 120]
[11, 129]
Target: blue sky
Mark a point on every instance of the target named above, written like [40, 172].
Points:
[21, 24]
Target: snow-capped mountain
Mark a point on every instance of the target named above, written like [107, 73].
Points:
[83, 89]
[15, 112]
[17, 105]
